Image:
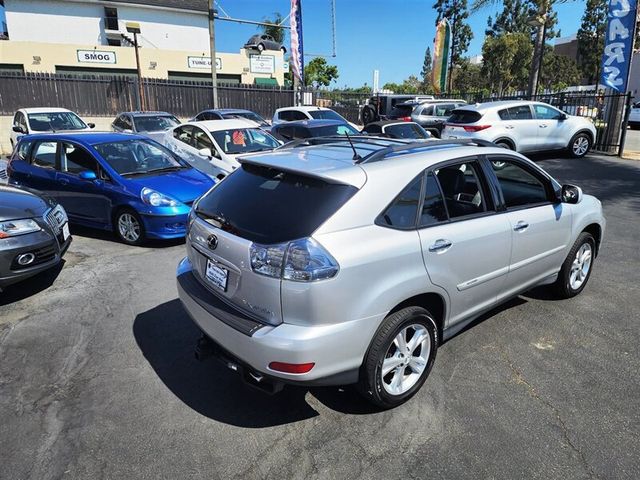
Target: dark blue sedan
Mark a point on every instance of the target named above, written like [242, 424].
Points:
[288, 131]
[111, 181]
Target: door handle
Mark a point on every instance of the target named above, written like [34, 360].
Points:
[509, 127]
[64, 181]
[441, 245]
[521, 226]
[543, 125]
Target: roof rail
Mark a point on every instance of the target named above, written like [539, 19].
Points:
[384, 152]
[366, 139]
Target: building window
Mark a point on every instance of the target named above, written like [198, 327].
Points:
[110, 18]
[114, 42]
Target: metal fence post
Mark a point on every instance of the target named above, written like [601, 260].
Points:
[625, 124]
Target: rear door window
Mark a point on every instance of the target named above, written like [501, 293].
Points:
[44, 155]
[403, 212]
[275, 206]
[75, 159]
[464, 116]
[462, 189]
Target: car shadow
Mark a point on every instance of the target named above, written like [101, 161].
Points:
[30, 286]
[109, 236]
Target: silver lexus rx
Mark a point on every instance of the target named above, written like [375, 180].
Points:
[333, 264]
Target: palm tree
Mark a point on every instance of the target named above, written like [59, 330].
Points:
[274, 31]
[539, 21]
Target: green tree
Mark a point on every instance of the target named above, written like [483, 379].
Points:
[319, 73]
[591, 36]
[558, 71]
[514, 18]
[426, 69]
[276, 32]
[456, 12]
[506, 61]
[543, 14]
[468, 77]
[409, 85]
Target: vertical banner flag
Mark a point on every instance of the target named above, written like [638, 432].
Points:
[618, 45]
[297, 52]
[441, 56]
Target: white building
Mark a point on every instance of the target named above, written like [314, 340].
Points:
[89, 36]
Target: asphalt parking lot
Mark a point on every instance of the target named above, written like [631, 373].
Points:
[98, 379]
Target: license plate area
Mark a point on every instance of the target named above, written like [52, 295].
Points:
[216, 275]
[65, 232]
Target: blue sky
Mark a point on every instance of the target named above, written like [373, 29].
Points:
[390, 35]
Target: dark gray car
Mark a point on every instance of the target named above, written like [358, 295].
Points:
[264, 42]
[34, 234]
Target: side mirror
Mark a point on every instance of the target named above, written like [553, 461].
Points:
[571, 194]
[205, 152]
[18, 129]
[127, 130]
[91, 125]
[87, 175]
[563, 116]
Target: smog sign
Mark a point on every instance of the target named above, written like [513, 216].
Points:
[96, 56]
[618, 44]
[203, 62]
[262, 63]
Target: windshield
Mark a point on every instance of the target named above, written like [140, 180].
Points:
[244, 140]
[325, 115]
[406, 130]
[138, 157]
[155, 124]
[331, 130]
[250, 116]
[46, 122]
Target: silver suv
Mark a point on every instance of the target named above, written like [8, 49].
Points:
[523, 126]
[327, 264]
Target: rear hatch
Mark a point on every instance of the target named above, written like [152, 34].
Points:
[461, 121]
[256, 205]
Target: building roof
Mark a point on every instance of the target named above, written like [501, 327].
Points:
[194, 5]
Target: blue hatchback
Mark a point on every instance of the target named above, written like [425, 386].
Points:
[112, 181]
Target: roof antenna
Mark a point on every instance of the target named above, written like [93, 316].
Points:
[356, 157]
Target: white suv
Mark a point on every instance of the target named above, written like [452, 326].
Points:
[307, 112]
[523, 126]
[331, 264]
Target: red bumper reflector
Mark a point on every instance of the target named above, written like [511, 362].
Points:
[291, 367]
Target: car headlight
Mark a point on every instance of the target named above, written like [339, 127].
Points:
[14, 228]
[157, 199]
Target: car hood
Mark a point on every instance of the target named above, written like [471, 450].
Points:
[183, 185]
[21, 203]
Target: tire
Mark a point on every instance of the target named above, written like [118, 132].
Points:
[127, 215]
[260, 47]
[567, 286]
[579, 145]
[378, 388]
[283, 50]
[368, 115]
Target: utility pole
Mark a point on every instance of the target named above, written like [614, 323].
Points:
[212, 52]
[134, 28]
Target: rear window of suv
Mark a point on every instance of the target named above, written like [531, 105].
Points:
[464, 116]
[270, 206]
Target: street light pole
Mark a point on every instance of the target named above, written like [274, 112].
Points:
[134, 27]
[212, 53]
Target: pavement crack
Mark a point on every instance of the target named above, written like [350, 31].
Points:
[521, 380]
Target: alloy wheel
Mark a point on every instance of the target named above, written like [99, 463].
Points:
[580, 146]
[129, 227]
[406, 359]
[580, 266]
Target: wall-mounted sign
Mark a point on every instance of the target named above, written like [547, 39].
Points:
[203, 62]
[285, 67]
[262, 63]
[96, 56]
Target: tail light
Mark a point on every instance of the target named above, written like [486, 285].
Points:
[303, 260]
[475, 128]
[404, 119]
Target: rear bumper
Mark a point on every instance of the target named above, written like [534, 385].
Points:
[256, 345]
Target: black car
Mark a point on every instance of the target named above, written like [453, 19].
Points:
[34, 234]
[390, 107]
[264, 42]
[230, 113]
[396, 129]
[288, 131]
